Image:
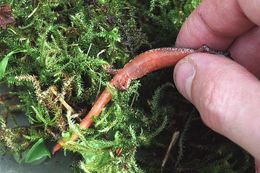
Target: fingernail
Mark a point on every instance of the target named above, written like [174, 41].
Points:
[184, 74]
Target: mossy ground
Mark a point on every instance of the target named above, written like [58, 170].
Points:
[59, 50]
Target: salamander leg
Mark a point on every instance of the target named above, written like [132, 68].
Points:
[121, 82]
[124, 84]
[110, 70]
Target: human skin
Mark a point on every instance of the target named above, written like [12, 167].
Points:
[225, 92]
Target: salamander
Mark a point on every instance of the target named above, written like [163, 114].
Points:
[138, 67]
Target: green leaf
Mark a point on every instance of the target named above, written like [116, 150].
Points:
[3, 65]
[4, 62]
[37, 152]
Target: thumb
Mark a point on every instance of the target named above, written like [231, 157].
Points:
[226, 95]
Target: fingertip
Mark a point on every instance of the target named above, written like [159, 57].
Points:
[226, 95]
[215, 23]
[184, 73]
[251, 9]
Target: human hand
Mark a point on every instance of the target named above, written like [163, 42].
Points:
[225, 92]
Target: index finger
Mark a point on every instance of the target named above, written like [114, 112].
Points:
[217, 23]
